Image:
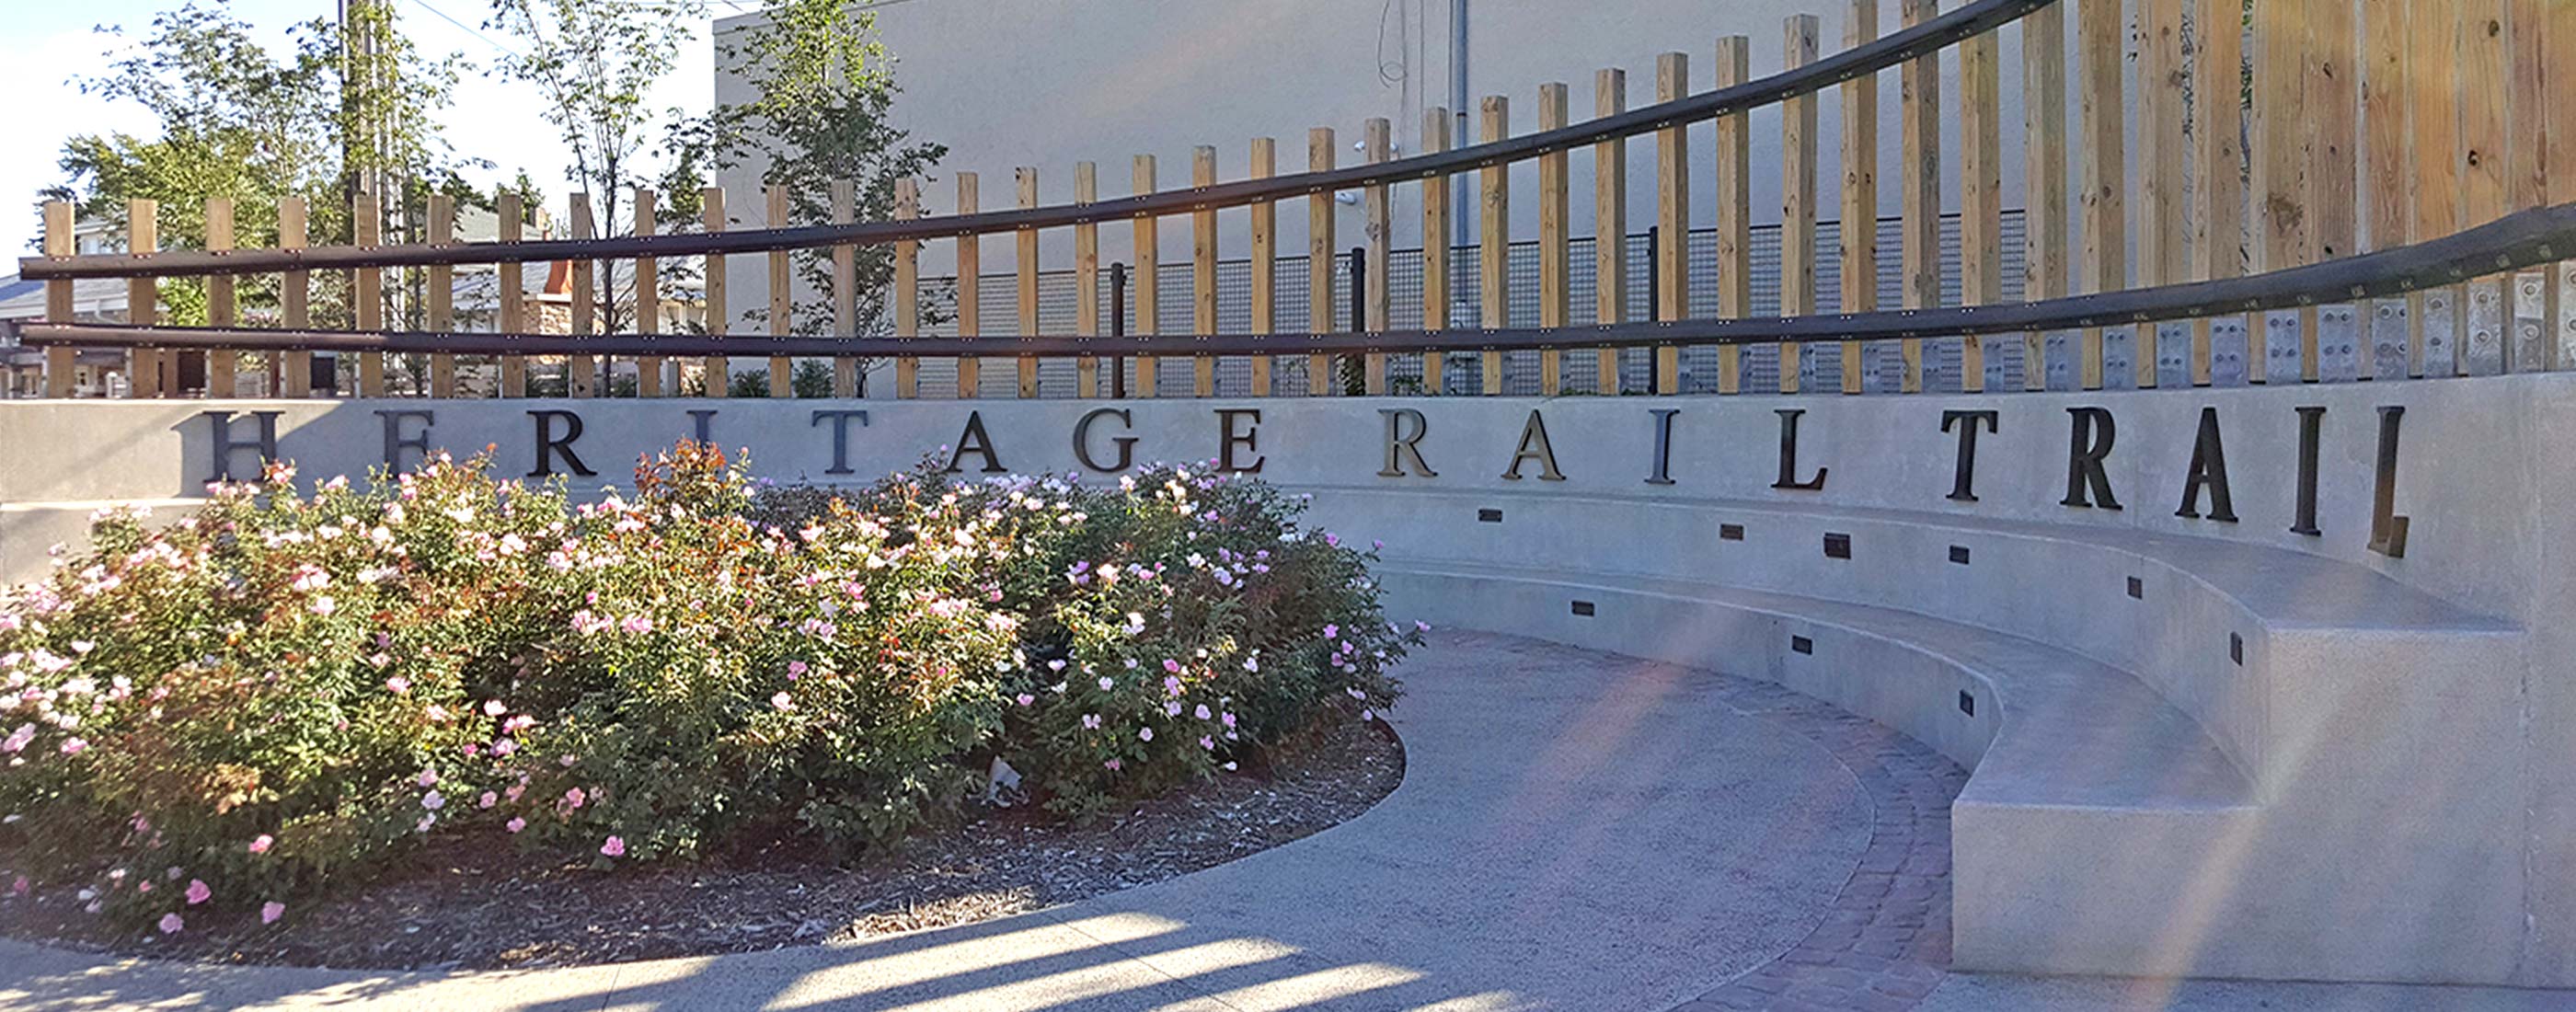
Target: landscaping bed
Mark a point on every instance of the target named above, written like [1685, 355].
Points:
[311, 717]
[487, 906]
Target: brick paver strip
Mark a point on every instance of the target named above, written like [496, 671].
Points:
[1886, 941]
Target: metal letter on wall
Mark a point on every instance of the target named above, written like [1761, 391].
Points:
[1403, 450]
[1082, 440]
[2387, 529]
[976, 441]
[222, 424]
[2087, 446]
[2311, 423]
[840, 436]
[1534, 446]
[395, 443]
[702, 424]
[1963, 480]
[549, 444]
[1789, 454]
[1663, 472]
[1227, 439]
[2208, 470]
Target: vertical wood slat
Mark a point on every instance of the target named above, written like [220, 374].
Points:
[845, 288]
[2163, 220]
[1554, 272]
[2044, 260]
[1264, 216]
[584, 378]
[2218, 220]
[1027, 293]
[1319, 261]
[970, 289]
[2561, 165]
[367, 292]
[2328, 116]
[1798, 195]
[1609, 224]
[144, 368]
[1734, 199]
[1203, 255]
[1919, 95]
[2484, 81]
[2433, 122]
[1981, 194]
[1858, 234]
[62, 365]
[1494, 240]
[1086, 279]
[295, 294]
[1378, 145]
[441, 296]
[715, 371]
[1148, 315]
[1672, 218]
[2387, 164]
[907, 289]
[2528, 346]
[782, 295]
[221, 303]
[513, 213]
[1435, 247]
[2279, 193]
[2106, 245]
[648, 296]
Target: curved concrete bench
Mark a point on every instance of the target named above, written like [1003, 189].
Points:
[2187, 752]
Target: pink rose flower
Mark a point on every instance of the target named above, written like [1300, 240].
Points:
[171, 923]
[516, 825]
[261, 845]
[615, 847]
[198, 891]
[270, 911]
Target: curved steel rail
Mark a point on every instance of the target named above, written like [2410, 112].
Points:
[2523, 239]
[1887, 51]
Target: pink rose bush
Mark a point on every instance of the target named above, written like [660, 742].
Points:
[640, 677]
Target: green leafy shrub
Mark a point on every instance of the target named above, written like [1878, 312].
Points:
[285, 691]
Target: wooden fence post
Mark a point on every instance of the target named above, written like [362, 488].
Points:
[440, 304]
[62, 365]
[1027, 294]
[845, 288]
[2043, 57]
[222, 371]
[970, 289]
[1981, 194]
[514, 318]
[1379, 146]
[648, 296]
[2163, 217]
[1086, 279]
[582, 368]
[2106, 242]
[294, 298]
[1859, 229]
[1919, 94]
[782, 295]
[1609, 225]
[715, 371]
[1147, 319]
[145, 368]
[1203, 240]
[1672, 218]
[2219, 226]
[1734, 199]
[1319, 262]
[1265, 260]
[1435, 248]
[907, 289]
[1798, 196]
[1553, 272]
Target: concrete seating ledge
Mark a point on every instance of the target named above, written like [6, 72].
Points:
[2185, 750]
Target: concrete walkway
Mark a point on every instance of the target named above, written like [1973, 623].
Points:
[1574, 831]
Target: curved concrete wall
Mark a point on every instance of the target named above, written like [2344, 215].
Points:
[2308, 734]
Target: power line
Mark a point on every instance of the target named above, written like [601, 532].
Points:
[469, 29]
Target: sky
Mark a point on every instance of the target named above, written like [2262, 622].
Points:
[44, 45]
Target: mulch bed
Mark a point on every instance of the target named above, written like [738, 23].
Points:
[488, 906]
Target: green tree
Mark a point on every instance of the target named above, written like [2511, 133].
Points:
[824, 83]
[594, 62]
[235, 120]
